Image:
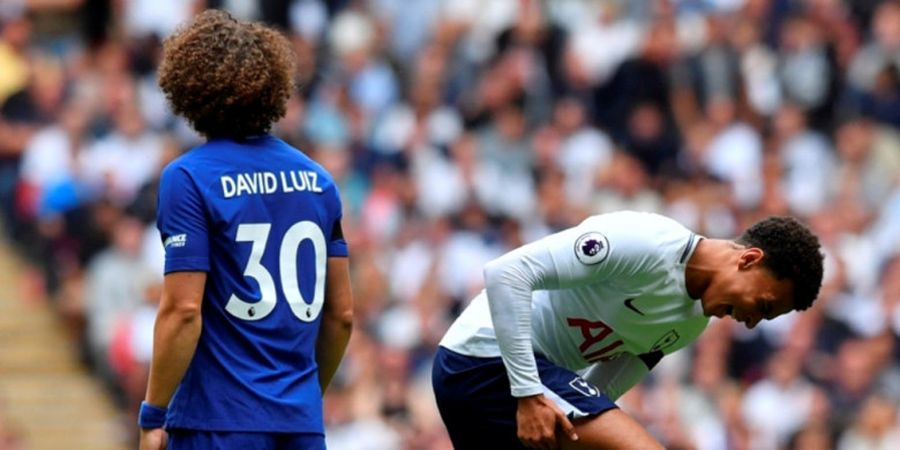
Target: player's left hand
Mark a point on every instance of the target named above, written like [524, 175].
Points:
[153, 439]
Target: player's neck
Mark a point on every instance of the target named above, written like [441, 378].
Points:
[708, 258]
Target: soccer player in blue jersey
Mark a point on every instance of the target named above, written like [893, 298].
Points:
[257, 308]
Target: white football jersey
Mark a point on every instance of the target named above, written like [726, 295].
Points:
[612, 286]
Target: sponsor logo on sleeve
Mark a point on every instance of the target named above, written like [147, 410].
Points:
[666, 341]
[592, 248]
[176, 240]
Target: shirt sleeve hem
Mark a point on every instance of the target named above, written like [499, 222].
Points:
[527, 391]
[187, 264]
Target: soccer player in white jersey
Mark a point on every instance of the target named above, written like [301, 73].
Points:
[570, 322]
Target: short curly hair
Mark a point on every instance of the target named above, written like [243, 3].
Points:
[792, 252]
[229, 79]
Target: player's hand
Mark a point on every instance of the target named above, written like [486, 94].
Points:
[153, 439]
[537, 419]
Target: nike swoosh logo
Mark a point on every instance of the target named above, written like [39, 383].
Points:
[631, 307]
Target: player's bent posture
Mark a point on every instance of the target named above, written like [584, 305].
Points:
[570, 322]
[257, 309]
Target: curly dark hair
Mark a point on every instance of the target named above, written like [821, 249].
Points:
[230, 79]
[791, 252]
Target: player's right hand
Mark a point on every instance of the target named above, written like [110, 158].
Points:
[153, 439]
[537, 419]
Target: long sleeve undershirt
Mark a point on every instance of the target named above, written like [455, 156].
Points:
[551, 264]
[509, 282]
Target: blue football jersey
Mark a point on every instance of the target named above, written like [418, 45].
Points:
[261, 218]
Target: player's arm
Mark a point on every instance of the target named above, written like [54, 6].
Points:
[598, 249]
[554, 262]
[337, 320]
[616, 377]
[549, 263]
[175, 334]
[175, 337]
[509, 282]
[181, 215]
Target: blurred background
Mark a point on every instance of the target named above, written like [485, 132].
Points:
[457, 130]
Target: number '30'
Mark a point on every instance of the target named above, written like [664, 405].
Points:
[258, 235]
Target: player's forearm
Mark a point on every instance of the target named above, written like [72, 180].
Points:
[334, 334]
[175, 338]
[508, 284]
[337, 320]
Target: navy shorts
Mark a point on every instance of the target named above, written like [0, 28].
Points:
[180, 439]
[475, 403]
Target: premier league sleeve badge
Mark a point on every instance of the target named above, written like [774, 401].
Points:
[591, 248]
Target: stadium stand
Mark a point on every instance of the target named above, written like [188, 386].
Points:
[458, 129]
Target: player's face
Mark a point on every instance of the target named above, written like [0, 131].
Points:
[749, 293]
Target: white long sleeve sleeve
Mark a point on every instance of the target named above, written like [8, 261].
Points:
[509, 281]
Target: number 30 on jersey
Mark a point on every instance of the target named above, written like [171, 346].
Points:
[258, 235]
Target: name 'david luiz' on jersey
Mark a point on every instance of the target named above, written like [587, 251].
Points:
[270, 182]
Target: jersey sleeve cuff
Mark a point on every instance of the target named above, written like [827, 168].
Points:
[338, 249]
[527, 391]
[183, 264]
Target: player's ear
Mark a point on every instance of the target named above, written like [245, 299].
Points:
[750, 257]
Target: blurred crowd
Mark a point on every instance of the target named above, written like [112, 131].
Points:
[460, 129]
